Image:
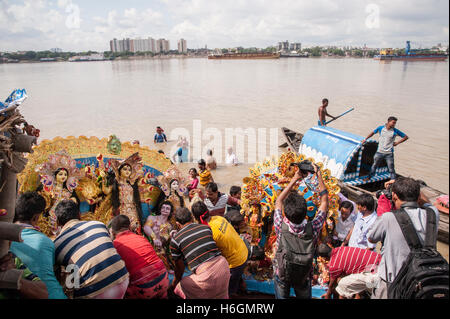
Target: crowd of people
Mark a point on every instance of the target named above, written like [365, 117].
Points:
[209, 247]
[198, 244]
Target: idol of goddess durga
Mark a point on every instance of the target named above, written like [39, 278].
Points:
[173, 184]
[59, 177]
[124, 190]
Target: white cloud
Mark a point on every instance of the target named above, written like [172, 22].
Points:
[63, 3]
[41, 24]
[261, 22]
[34, 14]
[35, 25]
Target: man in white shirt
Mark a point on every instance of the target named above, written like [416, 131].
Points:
[357, 237]
[231, 157]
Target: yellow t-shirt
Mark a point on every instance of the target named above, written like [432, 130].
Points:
[204, 177]
[228, 241]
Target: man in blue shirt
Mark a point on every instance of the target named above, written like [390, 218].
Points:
[160, 137]
[386, 145]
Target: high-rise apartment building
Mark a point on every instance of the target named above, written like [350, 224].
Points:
[296, 47]
[283, 46]
[133, 45]
[113, 45]
[182, 46]
[144, 45]
[162, 45]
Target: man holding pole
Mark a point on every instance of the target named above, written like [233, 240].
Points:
[323, 113]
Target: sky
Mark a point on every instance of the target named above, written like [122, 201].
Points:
[82, 25]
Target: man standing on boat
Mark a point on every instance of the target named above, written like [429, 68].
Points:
[323, 113]
[386, 145]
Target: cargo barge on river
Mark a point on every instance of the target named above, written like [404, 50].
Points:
[410, 55]
[233, 56]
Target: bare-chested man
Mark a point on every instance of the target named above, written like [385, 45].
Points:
[323, 113]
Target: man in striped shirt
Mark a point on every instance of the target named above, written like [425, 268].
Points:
[345, 261]
[228, 241]
[216, 201]
[98, 270]
[204, 174]
[194, 244]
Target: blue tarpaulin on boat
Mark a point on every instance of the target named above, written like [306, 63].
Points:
[333, 147]
[343, 154]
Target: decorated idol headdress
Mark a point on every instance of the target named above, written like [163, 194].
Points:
[56, 161]
[135, 162]
[172, 173]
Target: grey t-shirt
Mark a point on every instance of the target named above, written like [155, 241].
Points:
[387, 138]
[395, 249]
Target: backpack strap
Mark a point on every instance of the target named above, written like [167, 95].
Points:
[308, 231]
[430, 235]
[408, 230]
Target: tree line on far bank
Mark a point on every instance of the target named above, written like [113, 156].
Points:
[38, 55]
[314, 51]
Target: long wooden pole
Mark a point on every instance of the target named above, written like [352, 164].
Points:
[340, 115]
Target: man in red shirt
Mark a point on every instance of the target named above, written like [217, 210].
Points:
[148, 275]
[345, 261]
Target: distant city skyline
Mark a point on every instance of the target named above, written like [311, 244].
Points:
[139, 45]
[81, 25]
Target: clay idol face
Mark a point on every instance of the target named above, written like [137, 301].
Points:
[165, 210]
[125, 171]
[61, 176]
[174, 185]
[114, 146]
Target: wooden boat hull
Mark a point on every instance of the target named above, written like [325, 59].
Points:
[293, 140]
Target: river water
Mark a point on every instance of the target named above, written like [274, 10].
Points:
[130, 98]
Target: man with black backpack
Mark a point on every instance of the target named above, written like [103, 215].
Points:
[411, 267]
[296, 237]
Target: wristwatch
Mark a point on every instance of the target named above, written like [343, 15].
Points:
[324, 192]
